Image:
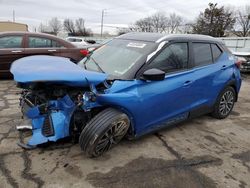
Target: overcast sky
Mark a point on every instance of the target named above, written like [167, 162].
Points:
[118, 13]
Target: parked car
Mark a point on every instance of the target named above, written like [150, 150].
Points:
[79, 42]
[15, 45]
[244, 58]
[136, 84]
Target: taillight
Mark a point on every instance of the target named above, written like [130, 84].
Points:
[238, 63]
[84, 52]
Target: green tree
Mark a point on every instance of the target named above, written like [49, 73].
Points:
[214, 21]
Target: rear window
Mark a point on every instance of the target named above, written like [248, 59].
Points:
[202, 54]
[74, 40]
[216, 51]
[11, 42]
[39, 42]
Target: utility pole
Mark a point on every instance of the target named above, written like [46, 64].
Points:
[103, 12]
[14, 19]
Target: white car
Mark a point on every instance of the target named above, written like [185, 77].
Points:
[79, 42]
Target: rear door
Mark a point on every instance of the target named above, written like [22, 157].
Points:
[11, 49]
[206, 68]
[36, 45]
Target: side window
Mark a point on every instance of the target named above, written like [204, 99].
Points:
[216, 51]
[172, 58]
[38, 42]
[56, 44]
[202, 54]
[11, 42]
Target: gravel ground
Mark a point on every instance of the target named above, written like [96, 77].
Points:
[203, 152]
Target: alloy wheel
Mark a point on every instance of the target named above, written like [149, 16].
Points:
[112, 136]
[226, 103]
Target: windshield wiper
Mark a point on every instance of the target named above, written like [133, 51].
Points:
[90, 57]
[98, 66]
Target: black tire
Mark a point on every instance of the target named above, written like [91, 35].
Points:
[224, 103]
[104, 131]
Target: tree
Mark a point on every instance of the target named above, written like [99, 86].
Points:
[80, 28]
[242, 25]
[69, 26]
[214, 21]
[79, 23]
[42, 28]
[159, 23]
[55, 25]
[174, 22]
[143, 25]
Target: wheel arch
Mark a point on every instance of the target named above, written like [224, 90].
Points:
[131, 130]
[232, 83]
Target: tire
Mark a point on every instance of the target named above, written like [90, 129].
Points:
[104, 131]
[224, 103]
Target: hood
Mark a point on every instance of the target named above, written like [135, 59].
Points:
[52, 69]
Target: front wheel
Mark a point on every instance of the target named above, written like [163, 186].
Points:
[224, 103]
[104, 131]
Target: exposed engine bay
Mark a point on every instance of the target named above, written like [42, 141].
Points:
[56, 111]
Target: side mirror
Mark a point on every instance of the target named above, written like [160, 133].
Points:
[153, 75]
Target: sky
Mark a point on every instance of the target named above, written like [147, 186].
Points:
[117, 13]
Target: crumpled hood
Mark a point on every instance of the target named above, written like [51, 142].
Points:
[50, 69]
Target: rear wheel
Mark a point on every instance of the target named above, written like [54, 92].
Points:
[224, 103]
[104, 131]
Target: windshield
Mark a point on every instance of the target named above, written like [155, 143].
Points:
[118, 56]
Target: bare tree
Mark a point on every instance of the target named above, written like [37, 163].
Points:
[143, 25]
[159, 22]
[42, 28]
[174, 22]
[242, 25]
[55, 25]
[79, 23]
[69, 26]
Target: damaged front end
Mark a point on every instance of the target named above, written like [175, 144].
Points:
[50, 120]
[59, 106]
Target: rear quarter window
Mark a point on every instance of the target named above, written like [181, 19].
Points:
[202, 54]
[216, 51]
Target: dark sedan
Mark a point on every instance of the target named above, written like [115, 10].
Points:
[15, 45]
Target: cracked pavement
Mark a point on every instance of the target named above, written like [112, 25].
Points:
[202, 152]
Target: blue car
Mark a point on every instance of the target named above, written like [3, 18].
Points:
[133, 85]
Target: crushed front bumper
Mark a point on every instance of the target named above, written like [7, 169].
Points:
[49, 126]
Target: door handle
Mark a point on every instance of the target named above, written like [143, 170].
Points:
[223, 67]
[187, 83]
[52, 50]
[16, 51]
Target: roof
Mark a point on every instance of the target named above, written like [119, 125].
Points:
[24, 32]
[49, 36]
[15, 23]
[159, 37]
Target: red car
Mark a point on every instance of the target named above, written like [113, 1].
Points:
[15, 45]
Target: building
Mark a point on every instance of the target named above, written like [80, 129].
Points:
[13, 26]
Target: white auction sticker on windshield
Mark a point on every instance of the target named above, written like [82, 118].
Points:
[136, 45]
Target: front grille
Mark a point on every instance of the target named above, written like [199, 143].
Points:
[47, 129]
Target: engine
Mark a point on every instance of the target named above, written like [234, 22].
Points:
[56, 111]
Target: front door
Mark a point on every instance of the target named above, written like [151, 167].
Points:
[168, 101]
[11, 49]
